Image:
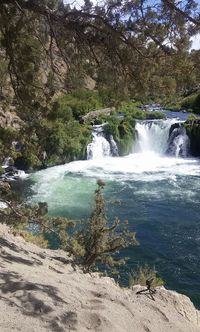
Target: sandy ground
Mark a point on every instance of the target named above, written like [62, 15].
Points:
[40, 291]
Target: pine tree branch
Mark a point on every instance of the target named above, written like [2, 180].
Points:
[171, 5]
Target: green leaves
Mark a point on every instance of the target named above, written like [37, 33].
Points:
[143, 273]
[98, 241]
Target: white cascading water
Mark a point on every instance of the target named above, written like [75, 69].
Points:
[100, 147]
[178, 142]
[181, 144]
[113, 146]
[153, 136]
[157, 158]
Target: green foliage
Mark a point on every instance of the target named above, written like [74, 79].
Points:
[68, 141]
[98, 241]
[37, 239]
[193, 132]
[7, 136]
[143, 273]
[60, 111]
[123, 132]
[154, 115]
[22, 217]
[110, 97]
[79, 102]
[189, 101]
[1, 171]
[131, 109]
[48, 142]
[196, 104]
[31, 44]
[192, 102]
[173, 102]
[28, 161]
[192, 117]
[95, 242]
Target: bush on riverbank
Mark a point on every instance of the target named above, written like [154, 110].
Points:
[192, 102]
[141, 274]
[131, 109]
[96, 240]
[77, 103]
[51, 143]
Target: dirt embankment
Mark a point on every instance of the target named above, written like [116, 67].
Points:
[41, 291]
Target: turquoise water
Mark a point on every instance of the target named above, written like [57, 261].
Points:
[157, 194]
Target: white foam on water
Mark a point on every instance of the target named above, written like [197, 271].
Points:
[3, 205]
[144, 167]
[148, 165]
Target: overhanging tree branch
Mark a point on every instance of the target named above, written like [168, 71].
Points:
[172, 5]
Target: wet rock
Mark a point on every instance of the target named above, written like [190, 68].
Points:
[4, 188]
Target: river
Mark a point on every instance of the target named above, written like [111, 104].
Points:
[158, 193]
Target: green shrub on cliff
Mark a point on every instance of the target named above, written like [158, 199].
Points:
[67, 140]
[143, 273]
[98, 241]
[48, 142]
[154, 115]
[123, 132]
[188, 102]
[129, 107]
[193, 132]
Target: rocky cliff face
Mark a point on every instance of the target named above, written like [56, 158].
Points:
[41, 291]
[8, 118]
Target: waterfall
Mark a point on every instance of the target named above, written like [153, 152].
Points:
[101, 146]
[178, 141]
[162, 137]
[153, 135]
[113, 146]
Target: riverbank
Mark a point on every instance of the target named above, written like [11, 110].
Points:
[41, 291]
